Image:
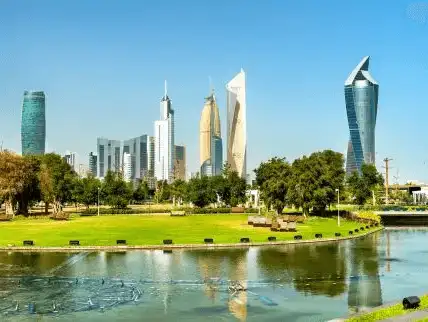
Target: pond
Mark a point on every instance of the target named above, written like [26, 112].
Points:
[314, 282]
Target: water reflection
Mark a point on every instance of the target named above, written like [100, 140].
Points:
[293, 282]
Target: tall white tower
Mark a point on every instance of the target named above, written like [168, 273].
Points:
[237, 124]
[164, 141]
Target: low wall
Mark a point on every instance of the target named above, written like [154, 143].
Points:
[404, 218]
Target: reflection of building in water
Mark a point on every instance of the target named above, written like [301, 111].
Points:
[238, 288]
[364, 286]
[210, 270]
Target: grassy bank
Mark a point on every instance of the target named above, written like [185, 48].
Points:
[151, 230]
[389, 312]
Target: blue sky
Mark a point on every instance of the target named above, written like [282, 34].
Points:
[102, 64]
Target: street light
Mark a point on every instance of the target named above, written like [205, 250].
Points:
[338, 211]
[98, 203]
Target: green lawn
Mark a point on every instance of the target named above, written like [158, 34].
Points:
[151, 230]
[390, 312]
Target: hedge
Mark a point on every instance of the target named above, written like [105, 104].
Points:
[137, 211]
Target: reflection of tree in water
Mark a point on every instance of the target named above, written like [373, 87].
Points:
[364, 286]
[313, 269]
[20, 263]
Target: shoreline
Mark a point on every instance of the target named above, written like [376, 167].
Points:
[115, 248]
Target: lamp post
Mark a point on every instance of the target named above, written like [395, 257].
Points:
[98, 203]
[338, 211]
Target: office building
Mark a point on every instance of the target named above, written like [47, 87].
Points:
[164, 141]
[33, 123]
[127, 166]
[109, 156]
[180, 162]
[361, 98]
[72, 159]
[93, 164]
[237, 124]
[210, 142]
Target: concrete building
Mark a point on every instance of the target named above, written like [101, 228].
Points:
[361, 98]
[127, 166]
[33, 123]
[237, 124]
[109, 156]
[210, 142]
[164, 141]
[93, 164]
[180, 162]
[72, 159]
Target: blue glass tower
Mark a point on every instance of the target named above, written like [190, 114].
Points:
[361, 98]
[33, 123]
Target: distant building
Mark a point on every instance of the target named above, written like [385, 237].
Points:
[33, 123]
[127, 166]
[361, 98]
[109, 156]
[72, 159]
[180, 162]
[164, 141]
[237, 124]
[210, 142]
[93, 164]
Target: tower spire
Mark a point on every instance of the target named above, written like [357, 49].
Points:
[211, 85]
[166, 89]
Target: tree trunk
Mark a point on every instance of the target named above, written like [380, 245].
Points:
[10, 212]
[57, 208]
[23, 206]
[47, 208]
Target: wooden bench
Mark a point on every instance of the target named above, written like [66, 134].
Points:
[178, 213]
[238, 210]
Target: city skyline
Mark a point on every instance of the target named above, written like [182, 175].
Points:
[99, 81]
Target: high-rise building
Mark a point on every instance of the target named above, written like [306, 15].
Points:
[72, 159]
[361, 98]
[151, 156]
[164, 141]
[210, 142]
[180, 162]
[127, 166]
[109, 156]
[237, 124]
[93, 164]
[33, 123]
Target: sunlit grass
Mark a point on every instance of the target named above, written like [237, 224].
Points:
[152, 230]
[390, 312]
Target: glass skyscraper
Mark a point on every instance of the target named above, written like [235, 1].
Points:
[361, 98]
[33, 123]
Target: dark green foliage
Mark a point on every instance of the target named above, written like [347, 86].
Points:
[163, 191]
[86, 190]
[200, 191]
[134, 211]
[361, 185]
[115, 191]
[141, 193]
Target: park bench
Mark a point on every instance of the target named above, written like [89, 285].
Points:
[238, 210]
[259, 222]
[274, 226]
[250, 220]
[178, 213]
[283, 226]
[292, 226]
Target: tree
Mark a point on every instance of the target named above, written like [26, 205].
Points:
[272, 178]
[362, 185]
[237, 187]
[115, 191]
[31, 192]
[178, 190]
[14, 176]
[163, 191]
[86, 190]
[56, 181]
[201, 191]
[141, 192]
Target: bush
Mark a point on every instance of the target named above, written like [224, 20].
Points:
[132, 211]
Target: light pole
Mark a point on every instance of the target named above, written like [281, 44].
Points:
[338, 211]
[98, 203]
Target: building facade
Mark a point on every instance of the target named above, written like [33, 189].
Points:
[164, 141]
[72, 159]
[127, 166]
[109, 156]
[180, 162]
[93, 164]
[210, 142]
[361, 99]
[237, 124]
[33, 123]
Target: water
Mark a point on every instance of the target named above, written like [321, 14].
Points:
[282, 283]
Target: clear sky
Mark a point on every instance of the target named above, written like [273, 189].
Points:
[102, 65]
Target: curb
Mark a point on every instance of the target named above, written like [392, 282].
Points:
[180, 246]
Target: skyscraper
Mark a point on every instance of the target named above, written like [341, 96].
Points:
[127, 166]
[93, 164]
[164, 141]
[237, 125]
[33, 123]
[109, 156]
[361, 98]
[210, 142]
[180, 162]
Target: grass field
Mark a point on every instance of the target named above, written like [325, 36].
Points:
[152, 230]
[390, 312]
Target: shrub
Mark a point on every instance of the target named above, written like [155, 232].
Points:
[136, 211]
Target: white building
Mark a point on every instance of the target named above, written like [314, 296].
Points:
[72, 159]
[164, 141]
[237, 124]
[127, 167]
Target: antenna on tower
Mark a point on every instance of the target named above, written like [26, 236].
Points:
[166, 88]
[211, 85]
